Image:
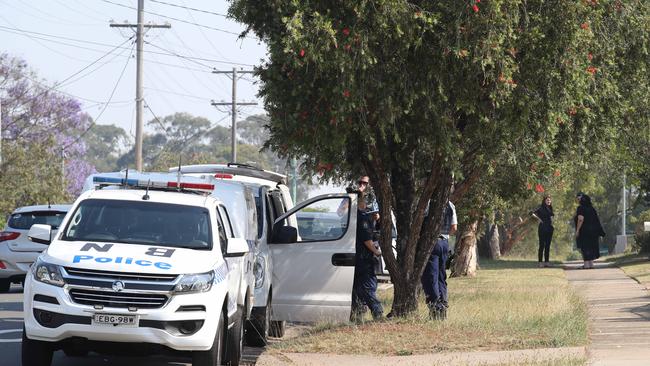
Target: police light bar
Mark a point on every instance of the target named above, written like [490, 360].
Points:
[139, 183]
[223, 176]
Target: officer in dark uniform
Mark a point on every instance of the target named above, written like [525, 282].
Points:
[364, 288]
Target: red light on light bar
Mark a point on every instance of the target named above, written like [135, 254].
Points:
[8, 235]
[223, 176]
[184, 185]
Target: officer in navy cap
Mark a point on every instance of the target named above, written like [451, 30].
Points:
[364, 288]
[434, 277]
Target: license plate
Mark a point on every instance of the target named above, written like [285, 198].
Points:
[115, 319]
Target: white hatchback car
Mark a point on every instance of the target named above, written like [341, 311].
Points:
[17, 252]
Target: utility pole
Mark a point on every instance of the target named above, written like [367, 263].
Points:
[623, 223]
[234, 104]
[139, 126]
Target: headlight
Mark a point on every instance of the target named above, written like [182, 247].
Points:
[258, 271]
[48, 273]
[196, 282]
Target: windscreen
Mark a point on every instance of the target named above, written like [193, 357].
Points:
[136, 222]
[25, 220]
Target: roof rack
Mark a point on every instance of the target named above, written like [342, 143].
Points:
[223, 170]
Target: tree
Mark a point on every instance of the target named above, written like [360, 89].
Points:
[41, 149]
[104, 144]
[420, 94]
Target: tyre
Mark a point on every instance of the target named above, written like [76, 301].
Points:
[5, 284]
[36, 353]
[75, 351]
[276, 329]
[235, 341]
[257, 328]
[212, 357]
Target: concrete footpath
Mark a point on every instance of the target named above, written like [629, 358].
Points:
[619, 313]
[619, 332]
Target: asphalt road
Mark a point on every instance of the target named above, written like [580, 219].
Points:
[11, 325]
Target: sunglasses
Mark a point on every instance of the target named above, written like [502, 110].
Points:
[361, 182]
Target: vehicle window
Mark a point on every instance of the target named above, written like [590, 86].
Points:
[223, 237]
[136, 222]
[322, 220]
[226, 221]
[25, 220]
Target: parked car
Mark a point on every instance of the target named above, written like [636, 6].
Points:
[141, 264]
[17, 252]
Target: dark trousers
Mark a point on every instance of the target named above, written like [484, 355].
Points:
[545, 237]
[364, 288]
[434, 278]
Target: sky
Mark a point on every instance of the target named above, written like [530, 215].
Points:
[59, 38]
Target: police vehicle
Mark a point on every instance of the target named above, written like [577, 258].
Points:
[145, 261]
[299, 276]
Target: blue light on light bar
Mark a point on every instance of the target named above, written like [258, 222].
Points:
[109, 180]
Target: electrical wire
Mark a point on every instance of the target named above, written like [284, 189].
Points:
[180, 20]
[189, 8]
[189, 13]
[94, 121]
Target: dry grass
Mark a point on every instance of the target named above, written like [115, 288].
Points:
[509, 305]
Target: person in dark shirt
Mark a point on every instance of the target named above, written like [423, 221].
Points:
[364, 287]
[544, 213]
[588, 230]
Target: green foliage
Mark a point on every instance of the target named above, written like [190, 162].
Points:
[641, 237]
[104, 145]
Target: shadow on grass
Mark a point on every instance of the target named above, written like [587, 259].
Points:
[490, 264]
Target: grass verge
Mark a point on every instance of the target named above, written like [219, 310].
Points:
[636, 266]
[511, 304]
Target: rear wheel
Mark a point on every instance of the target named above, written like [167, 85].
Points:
[212, 357]
[276, 329]
[5, 284]
[235, 341]
[36, 353]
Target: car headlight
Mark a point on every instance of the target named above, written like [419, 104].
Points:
[48, 273]
[196, 282]
[258, 271]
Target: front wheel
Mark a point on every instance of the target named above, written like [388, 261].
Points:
[257, 328]
[36, 353]
[212, 357]
[235, 341]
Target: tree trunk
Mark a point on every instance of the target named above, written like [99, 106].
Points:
[465, 259]
[515, 230]
[405, 300]
[493, 240]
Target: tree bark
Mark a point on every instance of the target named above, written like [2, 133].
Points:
[493, 240]
[515, 230]
[465, 260]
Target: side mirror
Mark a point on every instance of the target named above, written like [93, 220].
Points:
[40, 233]
[284, 235]
[237, 247]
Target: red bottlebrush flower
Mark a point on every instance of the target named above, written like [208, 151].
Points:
[475, 8]
[539, 188]
[590, 56]
[572, 111]
[502, 78]
[478, 1]
[418, 14]
[329, 166]
[346, 31]
[346, 93]
[347, 47]
[529, 186]
[333, 121]
[592, 70]
[584, 25]
[302, 53]
[556, 173]
[541, 155]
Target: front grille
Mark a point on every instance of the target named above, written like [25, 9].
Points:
[124, 276]
[118, 299]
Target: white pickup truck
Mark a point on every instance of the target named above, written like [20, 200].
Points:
[141, 263]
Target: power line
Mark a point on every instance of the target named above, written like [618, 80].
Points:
[189, 8]
[180, 20]
[94, 121]
[14, 30]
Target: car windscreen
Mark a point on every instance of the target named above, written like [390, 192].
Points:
[25, 220]
[136, 222]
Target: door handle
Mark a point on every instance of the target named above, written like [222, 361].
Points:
[343, 259]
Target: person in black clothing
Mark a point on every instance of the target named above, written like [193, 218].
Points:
[588, 230]
[364, 287]
[544, 213]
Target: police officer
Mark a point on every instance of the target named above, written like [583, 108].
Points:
[364, 288]
[434, 278]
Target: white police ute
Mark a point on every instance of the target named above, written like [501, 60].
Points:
[141, 264]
